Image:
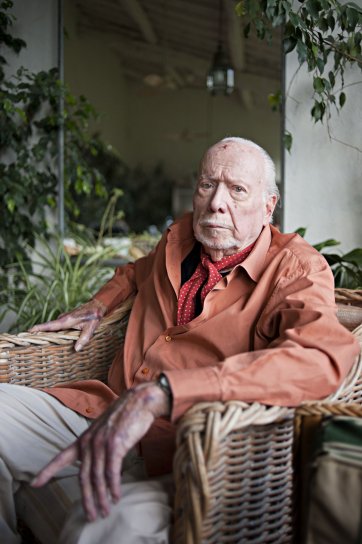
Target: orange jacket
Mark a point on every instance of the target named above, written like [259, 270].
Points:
[268, 332]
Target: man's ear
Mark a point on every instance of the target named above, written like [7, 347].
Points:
[269, 208]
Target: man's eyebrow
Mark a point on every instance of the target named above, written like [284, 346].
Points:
[210, 178]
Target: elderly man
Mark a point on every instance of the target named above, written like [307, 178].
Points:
[226, 308]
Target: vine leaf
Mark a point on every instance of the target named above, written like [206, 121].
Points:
[322, 32]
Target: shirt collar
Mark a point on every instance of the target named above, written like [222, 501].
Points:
[254, 264]
[180, 241]
[181, 229]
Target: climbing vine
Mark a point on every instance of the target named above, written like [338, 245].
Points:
[326, 35]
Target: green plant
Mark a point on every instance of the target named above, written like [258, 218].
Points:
[54, 282]
[346, 268]
[326, 35]
[110, 215]
[30, 120]
[28, 150]
[101, 158]
[141, 190]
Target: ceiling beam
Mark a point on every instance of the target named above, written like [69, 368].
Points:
[139, 51]
[131, 49]
[175, 76]
[138, 14]
[158, 54]
[253, 82]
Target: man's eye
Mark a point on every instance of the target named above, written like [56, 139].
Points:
[205, 185]
[239, 189]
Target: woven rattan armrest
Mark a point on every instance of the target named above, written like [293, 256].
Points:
[233, 474]
[46, 359]
[349, 307]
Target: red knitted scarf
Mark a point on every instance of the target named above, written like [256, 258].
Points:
[209, 271]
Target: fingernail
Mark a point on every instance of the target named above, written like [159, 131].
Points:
[78, 347]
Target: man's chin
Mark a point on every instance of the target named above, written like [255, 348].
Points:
[212, 243]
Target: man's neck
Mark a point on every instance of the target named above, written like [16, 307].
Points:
[218, 254]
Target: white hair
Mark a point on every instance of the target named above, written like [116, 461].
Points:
[269, 166]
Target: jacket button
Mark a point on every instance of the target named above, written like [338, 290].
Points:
[145, 371]
[168, 338]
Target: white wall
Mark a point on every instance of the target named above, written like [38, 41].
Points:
[323, 177]
[37, 24]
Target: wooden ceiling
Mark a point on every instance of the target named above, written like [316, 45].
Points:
[169, 44]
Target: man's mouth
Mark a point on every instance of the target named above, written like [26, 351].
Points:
[210, 225]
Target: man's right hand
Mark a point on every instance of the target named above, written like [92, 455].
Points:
[86, 318]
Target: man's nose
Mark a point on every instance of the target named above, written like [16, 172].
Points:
[218, 200]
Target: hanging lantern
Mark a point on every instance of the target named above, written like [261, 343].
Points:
[220, 79]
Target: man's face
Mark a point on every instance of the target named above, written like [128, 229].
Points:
[230, 202]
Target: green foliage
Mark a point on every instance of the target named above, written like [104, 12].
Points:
[29, 125]
[326, 35]
[110, 215]
[53, 283]
[140, 189]
[288, 140]
[346, 268]
[6, 22]
[275, 100]
[101, 157]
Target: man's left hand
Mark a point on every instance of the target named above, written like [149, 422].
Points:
[102, 448]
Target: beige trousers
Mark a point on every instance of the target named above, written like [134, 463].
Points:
[34, 427]
[335, 502]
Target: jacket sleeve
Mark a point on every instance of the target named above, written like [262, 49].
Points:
[308, 352]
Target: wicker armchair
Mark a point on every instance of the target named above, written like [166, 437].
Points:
[233, 467]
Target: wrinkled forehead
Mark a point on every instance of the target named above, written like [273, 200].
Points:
[235, 157]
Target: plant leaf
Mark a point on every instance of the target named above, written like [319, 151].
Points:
[288, 140]
[354, 256]
[327, 243]
[301, 231]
